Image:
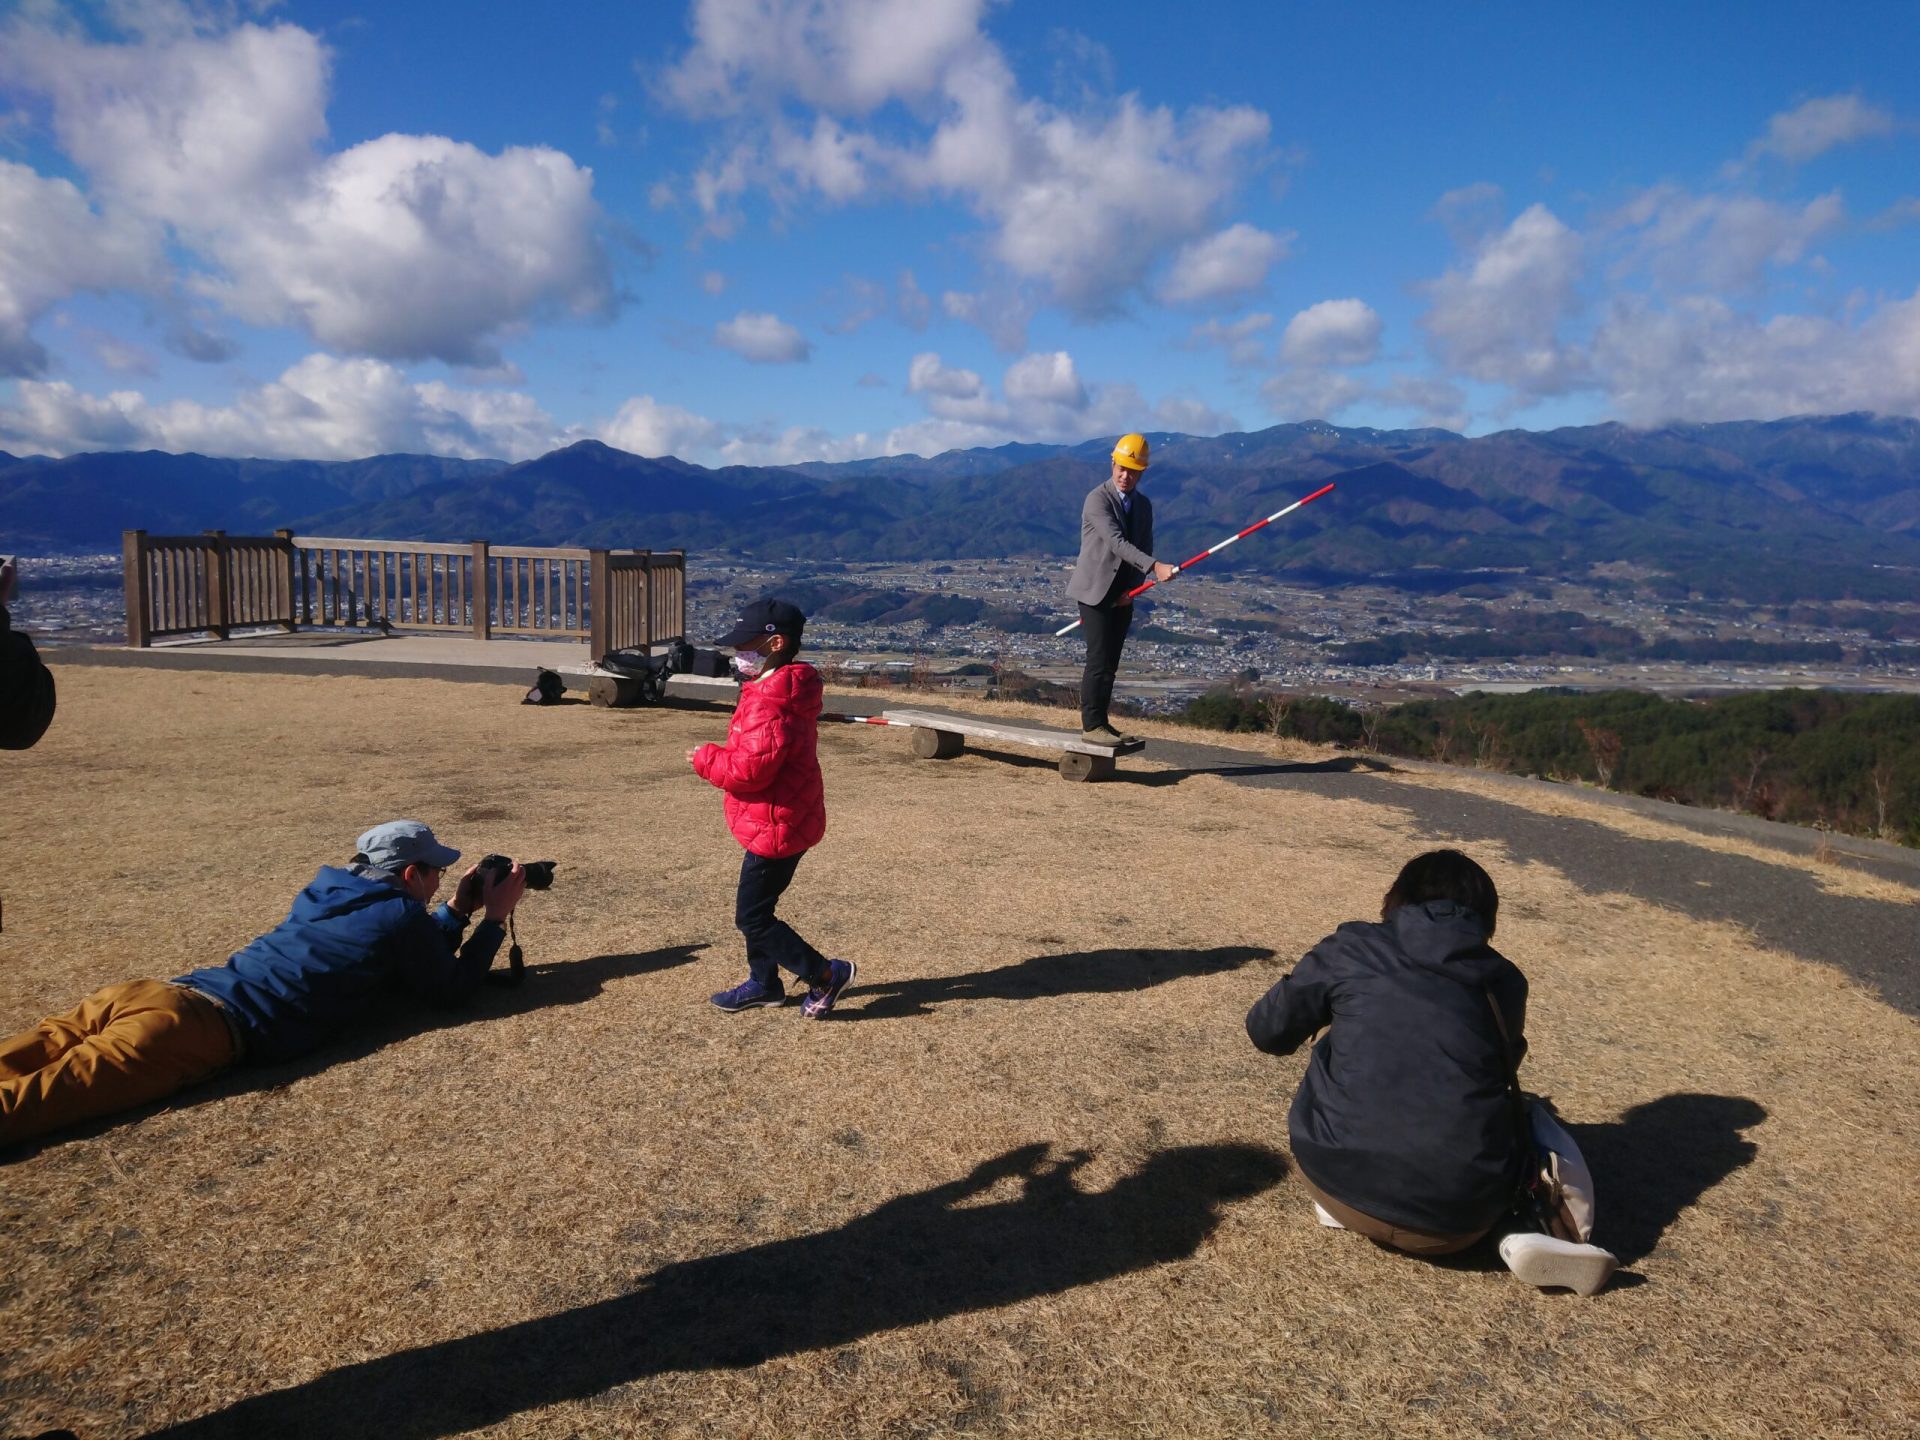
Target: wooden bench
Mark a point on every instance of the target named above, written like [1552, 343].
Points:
[941, 737]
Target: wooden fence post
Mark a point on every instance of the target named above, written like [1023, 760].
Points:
[599, 604]
[287, 605]
[219, 604]
[133, 549]
[481, 598]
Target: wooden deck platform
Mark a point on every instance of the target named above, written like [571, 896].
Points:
[940, 737]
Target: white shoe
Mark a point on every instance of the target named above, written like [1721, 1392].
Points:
[1544, 1261]
[1320, 1214]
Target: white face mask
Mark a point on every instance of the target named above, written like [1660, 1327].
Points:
[749, 666]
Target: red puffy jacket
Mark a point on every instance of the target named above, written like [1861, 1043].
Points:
[776, 805]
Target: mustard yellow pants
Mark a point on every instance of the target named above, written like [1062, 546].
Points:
[120, 1047]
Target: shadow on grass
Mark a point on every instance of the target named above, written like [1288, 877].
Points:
[917, 1258]
[1091, 972]
[562, 982]
[1648, 1167]
[1658, 1159]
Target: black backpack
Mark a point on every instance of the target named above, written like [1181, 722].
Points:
[547, 689]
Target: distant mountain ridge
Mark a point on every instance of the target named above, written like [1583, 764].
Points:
[1828, 504]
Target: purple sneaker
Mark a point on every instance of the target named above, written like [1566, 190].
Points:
[750, 995]
[820, 999]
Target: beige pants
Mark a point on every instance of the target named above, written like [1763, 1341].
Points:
[1414, 1242]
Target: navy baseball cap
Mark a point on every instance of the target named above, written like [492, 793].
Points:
[400, 843]
[761, 619]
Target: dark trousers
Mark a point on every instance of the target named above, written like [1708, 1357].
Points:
[770, 940]
[1106, 627]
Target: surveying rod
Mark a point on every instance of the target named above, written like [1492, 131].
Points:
[1215, 550]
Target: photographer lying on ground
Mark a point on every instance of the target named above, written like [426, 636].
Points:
[1409, 1126]
[353, 935]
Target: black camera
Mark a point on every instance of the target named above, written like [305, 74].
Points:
[539, 872]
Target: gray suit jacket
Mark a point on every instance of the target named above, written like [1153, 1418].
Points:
[1105, 554]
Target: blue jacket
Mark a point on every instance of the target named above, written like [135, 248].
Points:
[349, 940]
[1404, 1111]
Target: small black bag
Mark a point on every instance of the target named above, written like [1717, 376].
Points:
[547, 689]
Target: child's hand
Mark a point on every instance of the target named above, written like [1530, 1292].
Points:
[693, 752]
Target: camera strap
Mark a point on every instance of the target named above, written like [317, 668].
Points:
[516, 971]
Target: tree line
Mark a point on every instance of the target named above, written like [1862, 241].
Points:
[1824, 758]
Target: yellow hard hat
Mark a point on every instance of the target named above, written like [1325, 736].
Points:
[1132, 451]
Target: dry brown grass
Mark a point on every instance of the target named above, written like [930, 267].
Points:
[598, 1207]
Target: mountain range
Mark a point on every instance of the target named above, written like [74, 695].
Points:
[1816, 506]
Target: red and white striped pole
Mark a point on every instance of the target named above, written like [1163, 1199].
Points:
[865, 720]
[1216, 549]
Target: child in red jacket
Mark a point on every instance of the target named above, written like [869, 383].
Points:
[775, 805]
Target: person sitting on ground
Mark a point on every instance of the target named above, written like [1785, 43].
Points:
[26, 685]
[354, 934]
[776, 805]
[1406, 1127]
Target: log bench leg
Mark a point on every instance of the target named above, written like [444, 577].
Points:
[613, 690]
[930, 744]
[1078, 765]
[623, 692]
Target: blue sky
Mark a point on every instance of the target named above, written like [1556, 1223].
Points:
[764, 231]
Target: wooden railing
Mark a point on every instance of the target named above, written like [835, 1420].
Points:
[213, 583]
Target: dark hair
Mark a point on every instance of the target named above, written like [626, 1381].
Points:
[1444, 875]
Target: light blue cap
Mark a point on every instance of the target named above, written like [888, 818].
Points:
[400, 843]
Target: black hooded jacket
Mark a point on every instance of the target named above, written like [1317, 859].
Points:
[1404, 1112]
[26, 689]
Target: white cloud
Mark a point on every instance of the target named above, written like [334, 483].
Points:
[1311, 394]
[1042, 397]
[1716, 241]
[1470, 213]
[1242, 339]
[763, 338]
[323, 408]
[1002, 315]
[1334, 332]
[1230, 263]
[645, 426]
[1700, 359]
[1081, 202]
[713, 282]
[1817, 126]
[843, 56]
[187, 128]
[52, 243]
[1499, 318]
[1429, 399]
[413, 246]
[1048, 378]
[927, 375]
[402, 247]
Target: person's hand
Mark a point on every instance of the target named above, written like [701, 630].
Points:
[468, 894]
[9, 582]
[693, 752]
[1164, 571]
[503, 892]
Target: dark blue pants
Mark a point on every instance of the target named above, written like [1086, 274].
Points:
[1106, 627]
[771, 941]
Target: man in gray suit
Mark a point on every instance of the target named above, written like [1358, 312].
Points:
[1116, 552]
